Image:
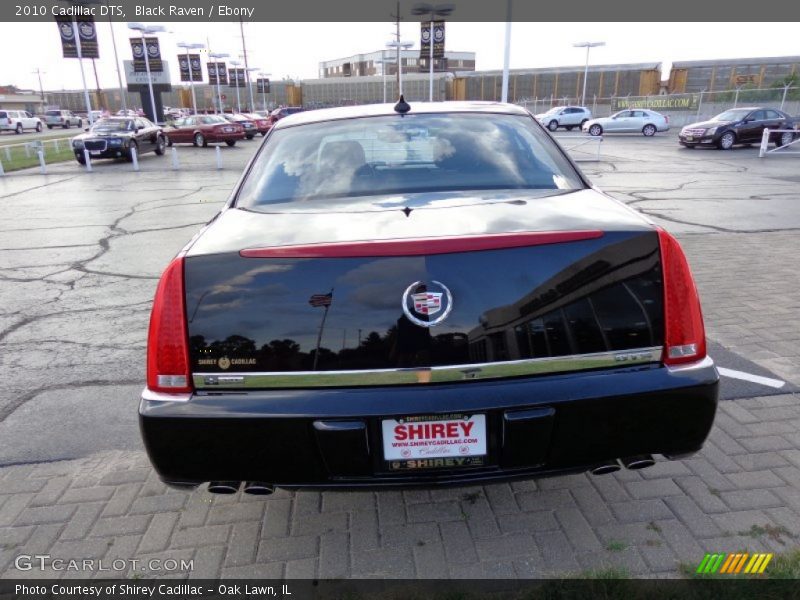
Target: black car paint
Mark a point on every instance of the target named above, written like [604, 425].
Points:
[594, 295]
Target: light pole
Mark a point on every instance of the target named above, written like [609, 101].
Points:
[588, 46]
[236, 64]
[262, 76]
[249, 82]
[399, 46]
[116, 65]
[432, 10]
[39, 72]
[147, 30]
[383, 62]
[186, 47]
[216, 56]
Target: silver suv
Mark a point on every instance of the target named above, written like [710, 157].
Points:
[61, 118]
[565, 116]
[18, 120]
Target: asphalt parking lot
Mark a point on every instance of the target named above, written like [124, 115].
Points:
[81, 255]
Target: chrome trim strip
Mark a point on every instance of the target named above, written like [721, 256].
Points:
[445, 374]
[150, 395]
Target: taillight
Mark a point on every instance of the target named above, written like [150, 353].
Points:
[167, 344]
[684, 334]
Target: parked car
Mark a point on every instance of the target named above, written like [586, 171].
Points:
[202, 129]
[740, 126]
[567, 117]
[284, 111]
[117, 137]
[249, 126]
[18, 121]
[62, 118]
[517, 322]
[262, 123]
[646, 122]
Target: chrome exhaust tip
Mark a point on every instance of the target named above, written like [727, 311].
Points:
[638, 462]
[258, 488]
[224, 487]
[605, 468]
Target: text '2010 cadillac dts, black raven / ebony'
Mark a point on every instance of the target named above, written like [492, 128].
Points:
[421, 295]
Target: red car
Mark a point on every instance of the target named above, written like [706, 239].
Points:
[202, 129]
[262, 123]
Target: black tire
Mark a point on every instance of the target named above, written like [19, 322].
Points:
[49, 126]
[250, 136]
[81, 159]
[568, 127]
[784, 139]
[18, 128]
[583, 122]
[200, 140]
[38, 128]
[65, 125]
[596, 130]
[552, 125]
[160, 146]
[230, 142]
[726, 140]
[169, 142]
[649, 130]
[131, 148]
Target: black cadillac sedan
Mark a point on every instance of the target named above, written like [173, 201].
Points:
[740, 126]
[421, 295]
[118, 137]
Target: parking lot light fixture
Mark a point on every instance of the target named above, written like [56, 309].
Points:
[588, 46]
[143, 31]
[432, 11]
[217, 56]
[186, 47]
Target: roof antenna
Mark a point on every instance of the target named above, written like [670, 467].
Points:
[402, 106]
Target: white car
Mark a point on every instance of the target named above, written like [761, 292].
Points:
[646, 122]
[18, 121]
[564, 116]
[61, 118]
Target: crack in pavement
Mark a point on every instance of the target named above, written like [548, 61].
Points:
[10, 408]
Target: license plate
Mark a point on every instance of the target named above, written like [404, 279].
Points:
[689, 138]
[95, 152]
[434, 441]
[228, 129]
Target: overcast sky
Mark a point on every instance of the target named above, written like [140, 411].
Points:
[295, 49]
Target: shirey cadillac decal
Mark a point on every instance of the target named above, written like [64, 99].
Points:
[427, 304]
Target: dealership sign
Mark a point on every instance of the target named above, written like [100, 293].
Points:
[134, 77]
[86, 33]
[187, 62]
[262, 85]
[671, 102]
[153, 54]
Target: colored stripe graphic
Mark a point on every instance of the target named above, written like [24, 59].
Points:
[735, 563]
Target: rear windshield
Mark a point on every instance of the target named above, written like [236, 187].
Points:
[414, 153]
[53, 113]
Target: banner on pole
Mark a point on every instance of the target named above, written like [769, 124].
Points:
[190, 68]
[262, 85]
[87, 33]
[153, 54]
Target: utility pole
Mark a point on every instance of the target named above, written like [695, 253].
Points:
[39, 72]
[246, 66]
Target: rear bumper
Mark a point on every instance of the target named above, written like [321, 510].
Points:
[332, 437]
